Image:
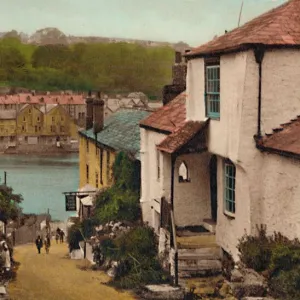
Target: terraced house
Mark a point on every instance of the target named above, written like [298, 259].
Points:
[102, 139]
[224, 156]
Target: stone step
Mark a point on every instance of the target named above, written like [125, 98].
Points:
[200, 253]
[194, 242]
[200, 266]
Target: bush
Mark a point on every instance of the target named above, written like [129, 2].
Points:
[278, 256]
[286, 285]
[121, 201]
[136, 252]
[74, 236]
[255, 251]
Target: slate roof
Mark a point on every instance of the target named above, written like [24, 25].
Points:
[176, 140]
[277, 27]
[8, 114]
[121, 131]
[169, 117]
[284, 139]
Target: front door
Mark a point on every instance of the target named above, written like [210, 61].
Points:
[213, 188]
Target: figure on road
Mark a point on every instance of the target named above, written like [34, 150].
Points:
[62, 234]
[47, 243]
[5, 253]
[39, 244]
[57, 236]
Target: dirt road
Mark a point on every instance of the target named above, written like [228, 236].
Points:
[54, 276]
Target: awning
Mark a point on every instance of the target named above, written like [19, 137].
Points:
[190, 138]
[87, 201]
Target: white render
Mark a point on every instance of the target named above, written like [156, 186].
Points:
[267, 189]
[259, 196]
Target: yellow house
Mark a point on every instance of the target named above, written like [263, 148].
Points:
[97, 152]
[57, 122]
[30, 121]
[8, 124]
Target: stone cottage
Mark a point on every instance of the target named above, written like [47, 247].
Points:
[227, 157]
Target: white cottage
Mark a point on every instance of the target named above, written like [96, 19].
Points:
[233, 162]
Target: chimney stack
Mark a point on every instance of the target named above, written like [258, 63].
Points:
[98, 108]
[178, 57]
[89, 111]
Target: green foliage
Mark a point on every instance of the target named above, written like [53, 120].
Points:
[120, 202]
[136, 252]
[279, 257]
[9, 204]
[74, 236]
[286, 285]
[255, 251]
[109, 67]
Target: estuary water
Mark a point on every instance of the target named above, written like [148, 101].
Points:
[42, 180]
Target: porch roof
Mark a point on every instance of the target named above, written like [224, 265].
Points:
[284, 140]
[187, 139]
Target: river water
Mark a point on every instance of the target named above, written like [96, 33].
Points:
[42, 180]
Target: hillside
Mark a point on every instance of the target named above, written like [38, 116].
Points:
[52, 35]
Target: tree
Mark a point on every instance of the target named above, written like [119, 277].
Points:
[9, 204]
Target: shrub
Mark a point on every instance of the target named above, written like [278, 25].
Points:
[278, 256]
[74, 236]
[255, 251]
[286, 285]
[136, 252]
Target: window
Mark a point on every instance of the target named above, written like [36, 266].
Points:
[35, 128]
[87, 173]
[29, 111]
[229, 187]
[97, 150]
[157, 165]
[62, 128]
[97, 179]
[38, 119]
[108, 166]
[53, 119]
[24, 119]
[87, 145]
[212, 89]
[23, 128]
[183, 173]
[62, 119]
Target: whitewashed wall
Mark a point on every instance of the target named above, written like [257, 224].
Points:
[232, 136]
[152, 187]
[192, 199]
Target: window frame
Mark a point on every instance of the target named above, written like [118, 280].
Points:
[210, 64]
[229, 201]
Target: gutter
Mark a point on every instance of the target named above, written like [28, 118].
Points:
[262, 148]
[259, 52]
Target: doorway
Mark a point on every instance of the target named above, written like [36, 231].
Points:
[213, 187]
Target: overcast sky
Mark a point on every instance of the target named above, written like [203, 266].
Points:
[191, 21]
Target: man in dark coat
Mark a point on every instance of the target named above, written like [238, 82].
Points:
[39, 244]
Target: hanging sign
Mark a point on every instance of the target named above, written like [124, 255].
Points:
[71, 202]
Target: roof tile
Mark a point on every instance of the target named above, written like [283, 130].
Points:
[176, 140]
[286, 139]
[280, 26]
[169, 117]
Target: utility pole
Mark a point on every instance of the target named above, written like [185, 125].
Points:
[240, 13]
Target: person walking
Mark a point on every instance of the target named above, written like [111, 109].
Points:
[39, 244]
[62, 234]
[5, 253]
[47, 243]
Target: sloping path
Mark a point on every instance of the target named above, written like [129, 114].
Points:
[54, 276]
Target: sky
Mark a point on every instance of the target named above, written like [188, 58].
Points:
[190, 21]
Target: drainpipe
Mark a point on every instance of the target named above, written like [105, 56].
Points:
[173, 241]
[259, 52]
